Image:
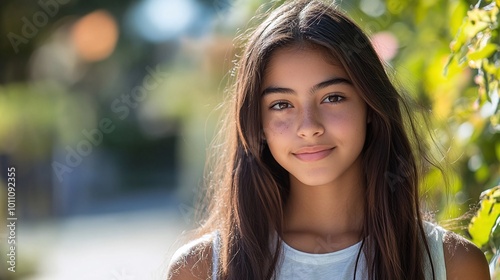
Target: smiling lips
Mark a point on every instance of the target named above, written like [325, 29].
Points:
[313, 153]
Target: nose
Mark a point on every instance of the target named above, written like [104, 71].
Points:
[310, 124]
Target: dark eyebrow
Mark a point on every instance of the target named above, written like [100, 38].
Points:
[327, 83]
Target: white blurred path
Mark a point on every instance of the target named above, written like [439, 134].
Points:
[127, 245]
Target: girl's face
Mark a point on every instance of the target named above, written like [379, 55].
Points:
[313, 118]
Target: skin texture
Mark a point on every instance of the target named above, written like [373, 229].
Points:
[296, 113]
[463, 259]
[192, 261]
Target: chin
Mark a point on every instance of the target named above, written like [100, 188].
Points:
[315, 181]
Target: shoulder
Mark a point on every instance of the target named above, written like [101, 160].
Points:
[463, 259]
[192, 261]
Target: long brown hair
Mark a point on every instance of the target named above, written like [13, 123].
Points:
[248, 188]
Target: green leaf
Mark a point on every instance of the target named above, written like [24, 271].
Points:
[448, 62]
[486, 217]
[484, 52]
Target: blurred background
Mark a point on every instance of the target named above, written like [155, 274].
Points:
[107, 108]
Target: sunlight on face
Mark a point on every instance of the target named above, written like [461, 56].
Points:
[313, 118]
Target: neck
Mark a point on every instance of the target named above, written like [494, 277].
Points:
[333, 212]
[325, 209]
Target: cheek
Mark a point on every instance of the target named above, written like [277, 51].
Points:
[276, 127]
[349, 126]
[358, 133]
[338, 121]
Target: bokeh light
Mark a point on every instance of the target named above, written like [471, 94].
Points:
[160, 20]
[386, 45]
[95, 35]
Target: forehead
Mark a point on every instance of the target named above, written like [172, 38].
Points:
[301, 63]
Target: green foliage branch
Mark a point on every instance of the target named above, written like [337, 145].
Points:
[477, 45]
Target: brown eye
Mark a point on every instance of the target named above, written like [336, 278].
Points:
[334, 98]
[281, 105]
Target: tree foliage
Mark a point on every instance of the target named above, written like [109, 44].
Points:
[477, 45]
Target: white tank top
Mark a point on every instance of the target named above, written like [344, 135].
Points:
[297, 265]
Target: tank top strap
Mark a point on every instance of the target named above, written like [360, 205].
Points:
[435, 235]
[215, 254]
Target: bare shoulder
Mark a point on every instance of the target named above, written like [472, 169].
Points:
[463, 259]
[192, 261]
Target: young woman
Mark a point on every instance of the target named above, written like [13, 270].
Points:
[318, 173]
